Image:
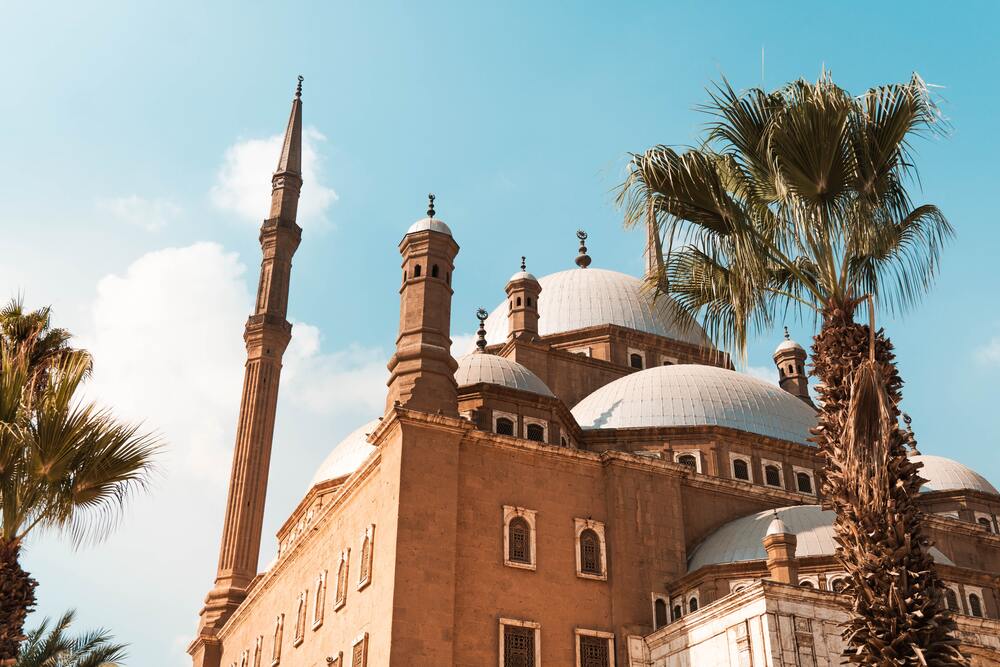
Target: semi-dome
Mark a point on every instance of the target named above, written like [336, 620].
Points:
[581, 298]
[743, 539]
[432, 224]
[696, 395]
[944, 474]
[491, 369]
[347, 455]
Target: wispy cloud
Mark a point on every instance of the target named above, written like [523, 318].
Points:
[989, 353]
[242, 184]
[149, 214]
[765, 373]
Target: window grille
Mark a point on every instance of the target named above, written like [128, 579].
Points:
[985, 523]
[366, 557]
[772, 476]
[635, 360]
[518, 646]
[594, 652]
[358, 657]
[520, 541]
[590, 552]
[505, 426]
[536, 432]
[693, 604]
[838, 585]
[741, 470]
[342, 580]
[804, 482]
[688, 460]
[975, 605]
[951, 599]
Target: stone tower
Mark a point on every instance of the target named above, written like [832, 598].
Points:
[267, 335]
[422, 370]
[522, 305]
[790, 358]
[779, 543]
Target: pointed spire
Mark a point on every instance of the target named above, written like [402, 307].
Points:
[287, 180]
[481, 315]
[583, 259]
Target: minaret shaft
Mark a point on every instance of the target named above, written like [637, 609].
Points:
[267, 334]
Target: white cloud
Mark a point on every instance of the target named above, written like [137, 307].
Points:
[990, 352]
[765, 373]
[243, 181]
[462, 344]
[149, 214]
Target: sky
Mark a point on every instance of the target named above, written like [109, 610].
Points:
[138, 143]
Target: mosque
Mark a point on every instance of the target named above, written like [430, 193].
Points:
[593, 486]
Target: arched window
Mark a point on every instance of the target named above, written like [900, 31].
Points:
[562, 441]
[676, 613]
[772, 476]
[985, 523]
[741, 470]
[342, 569]
[416, 271]
[505, 426]
[804, 482]
[529, 302]
[688, 460]
[366, 560]
[693, 604]
[319, 601]
[838, 585]
[951, 599]
[590, 552]
[279, 624]
[519, 541]
[805, 583]
[975, 605]
[635, 360]
[518, 301]
[535, 432]
[300, 619]
[434, 271]
[659, 613]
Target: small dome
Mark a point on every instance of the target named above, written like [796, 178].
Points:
[743, 539]
[946, 475]
[491, 369]
[522, 275]
[347, 455]
[581, 298]
[777, 527]
[787, 344]
[696, 395]
[433, 224]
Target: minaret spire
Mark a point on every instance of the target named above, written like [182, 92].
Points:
[266, 335]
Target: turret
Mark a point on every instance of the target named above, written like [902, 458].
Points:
[522, 305]
[780, 542]
[422, 370]
[790, 358]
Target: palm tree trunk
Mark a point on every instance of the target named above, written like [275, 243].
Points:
[17, 598]
[898, 612]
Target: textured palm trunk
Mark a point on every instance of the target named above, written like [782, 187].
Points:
[897, 600]
[17, 598]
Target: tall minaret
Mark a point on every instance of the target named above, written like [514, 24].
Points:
[267, 335]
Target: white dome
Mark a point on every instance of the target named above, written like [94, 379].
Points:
[347, 455]
[696, 395]
[945, 475]
[788, 344]
[522, 275]
[743, 539]
[432, 224]
[491, 369]
[580, 298]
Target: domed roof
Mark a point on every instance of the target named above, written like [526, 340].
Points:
[347, 455]
[580, 298]
[788, 344]
[491, 369]
[696, 395]
[743, 539]
[522, 275]
[945, 475]
[432, 224]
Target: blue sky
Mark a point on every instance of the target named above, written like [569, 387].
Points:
[137, 154]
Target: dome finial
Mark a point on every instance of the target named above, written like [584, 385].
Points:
[481, 315]
[430, 205]
[298, 88]
[583, 259]
[523, 265]
[787, 337]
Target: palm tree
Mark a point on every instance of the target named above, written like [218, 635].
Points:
[65, 464]
[55, 648]
[18, 325]
[798, 202]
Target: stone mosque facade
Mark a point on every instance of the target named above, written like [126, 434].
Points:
[593, 486]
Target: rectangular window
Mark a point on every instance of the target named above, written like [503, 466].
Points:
[342, 569]
[359, 652]
[367, 547]
[320, 600]
[595, 648]
[518, 646]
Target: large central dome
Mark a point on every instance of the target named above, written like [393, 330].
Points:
[695, 395]
[581, 298]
